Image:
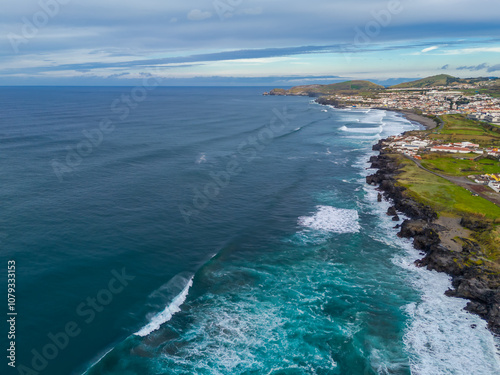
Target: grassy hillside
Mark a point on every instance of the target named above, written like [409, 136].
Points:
[443, 196]
[439, 80]
[349, 88]
[456, 165]
[457, 128]
[352, 85]
[450, 200]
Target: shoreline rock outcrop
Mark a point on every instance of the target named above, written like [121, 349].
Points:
[470, 278]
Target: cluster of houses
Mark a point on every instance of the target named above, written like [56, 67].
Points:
[433, 102]
[491, 180]
[458, 148]
[493, 115]
[412, 145]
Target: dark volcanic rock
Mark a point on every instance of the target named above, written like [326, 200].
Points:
[470, 279]
[391, 211]
[475, 225]
[415, 210]
[441, 259]
[483, 289]
[329, 101]
[395, 218]
[378, 146]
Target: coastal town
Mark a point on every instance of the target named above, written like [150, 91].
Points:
[464, 115]
[436, 101]
[433, 96]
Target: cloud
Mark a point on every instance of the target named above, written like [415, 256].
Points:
[157, 33]
[250, 11]
[117, 59]
[118, 75]
[483, 66]
[474, 68]
[468, 51]
[444, 67]
[181, 61]
[494, 68]
[198, 15]
[429, 49]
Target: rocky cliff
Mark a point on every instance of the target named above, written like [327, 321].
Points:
[471, 279]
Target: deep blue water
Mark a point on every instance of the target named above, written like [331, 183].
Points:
[213, 231]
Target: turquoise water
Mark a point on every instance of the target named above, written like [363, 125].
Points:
[251, 242]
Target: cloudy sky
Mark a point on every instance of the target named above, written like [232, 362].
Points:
[245, 42]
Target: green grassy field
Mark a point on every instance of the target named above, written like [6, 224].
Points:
[452, 165]
[457, 128]
[448, 199]
[442, 195]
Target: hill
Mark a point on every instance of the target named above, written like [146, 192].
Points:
[348, 87]
[439, 80]
[352, 85]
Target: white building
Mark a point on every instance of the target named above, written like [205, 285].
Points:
[495, 185]
[453, 150]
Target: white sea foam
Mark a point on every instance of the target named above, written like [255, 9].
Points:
[331, 219]
[166, 315]
[201, 159]
[376, 130]
[440, 338]
[368, 137]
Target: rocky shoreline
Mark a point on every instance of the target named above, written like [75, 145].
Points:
[470, 278]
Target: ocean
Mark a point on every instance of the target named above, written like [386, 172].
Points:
[213, 231]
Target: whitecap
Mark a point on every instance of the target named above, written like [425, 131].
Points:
[165, 315]
[201, 159]
[376, 130]
[331, 219]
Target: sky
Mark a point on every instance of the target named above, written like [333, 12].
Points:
[245, 42]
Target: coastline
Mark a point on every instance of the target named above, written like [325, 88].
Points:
[433, 235]
[425, 121]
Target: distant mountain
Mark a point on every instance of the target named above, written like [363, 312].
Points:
[348, 87]
[439, 80]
